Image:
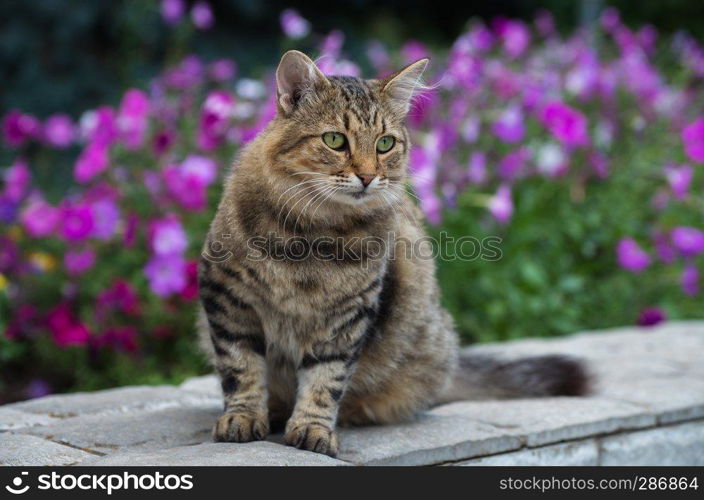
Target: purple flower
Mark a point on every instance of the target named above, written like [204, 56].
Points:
[187, 189]
[200, 167]
[17, 127]
[65, 328]
[651, 316]
[37, 388]
[693, 138]
[222, 70]
[167, 236]
[679, 179]
[293, 25]
[551, 160]
[100, 126]
[610, 19]
[17, 178]
[172, 11]
[215, 118]
[568, 125]
[187, 74]
[663, 248]
[166, 274]
[9, 254]
[476, 173]
[509, 125]
[77, 222]
[631, 257]
[688, 240]
[512, 165]
[413, 50]
[545, 23]
[501, 204]
[514, 36]
[690, 280]
[106, 215]
[132, 120]
[202, 15]
[79, 261]
[431, 206]
[92, 162]
[59, 131]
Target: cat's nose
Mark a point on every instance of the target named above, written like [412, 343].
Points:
[366, 178]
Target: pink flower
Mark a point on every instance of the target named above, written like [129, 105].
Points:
[187, 189]
[509, 125]
[567, 124]
[122, 338]
[413, 50]
[501, 204]
[167, 236]
[202, 15]
[190, 292]
[77, 222]
[294, 25]
[651, 316]
[119, 297]
[431, 206]
[59, 131]
[172, 11]
[79, 261]
[679, 179]
[100, 126]
[199, 167]
[39, 218]
[476, 174]
[214, 119]
[133, 118]
[514, 36]
[631, 257]
[693, 138]
[166, 274]
[18, 127]
[9, 254]
[663, 248]
[512, 165]
[688, 240]
[17, 178]
[106, 215]
[222, 70]
[66, 330]
[92, 162]
[130, 236]
[690, 280]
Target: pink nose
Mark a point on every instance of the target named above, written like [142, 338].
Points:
[366, 178]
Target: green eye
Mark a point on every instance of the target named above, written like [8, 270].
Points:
[334, 140]
[385, 144]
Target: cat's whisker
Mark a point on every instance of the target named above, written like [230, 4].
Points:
[321, 203]
[303, 192]
[318, 195]
[308, 181]
[313, 192]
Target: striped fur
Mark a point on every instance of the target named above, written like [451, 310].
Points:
[307, 343]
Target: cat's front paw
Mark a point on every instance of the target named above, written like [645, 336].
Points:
[311, 437]
[240, 428]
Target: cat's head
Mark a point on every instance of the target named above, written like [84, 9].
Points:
[342, 139]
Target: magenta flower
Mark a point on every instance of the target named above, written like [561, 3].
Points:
[172, 11]
[190, 292]
[66, 330]
[651, 316]
[431, 206]
[133, 118]
[119, 297]
[200, 167]
[663, 248]
[514, 36]
[631, 257]
[59, 131]
[18, 127]
[39, 218]
[222, 70]
[131, 226]
[77, 222]
[202, 15]
[37, 388]
[690, 280]
[693, 139]
[167, 236]
[215, 117]
[121, 338]
[413, 50]
[679, 179]
[568, 125]
[688, 240]
[476, 173]
[501, 205]
[509, 125]
[294, 25]
[92, 162]
[17, 178]
[512, 165]
[166, 274]
[187, 189]
[9, 254]
[79, 261]
[100, 126]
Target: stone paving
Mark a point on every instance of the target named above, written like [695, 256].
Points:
[647, 409]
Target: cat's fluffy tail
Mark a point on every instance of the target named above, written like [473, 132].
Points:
[482, 377]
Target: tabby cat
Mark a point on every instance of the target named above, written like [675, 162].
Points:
[306, 323]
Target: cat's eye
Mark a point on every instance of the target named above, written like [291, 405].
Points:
[385, 144]
[334, 140]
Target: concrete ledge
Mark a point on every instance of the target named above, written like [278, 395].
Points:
[648, 409]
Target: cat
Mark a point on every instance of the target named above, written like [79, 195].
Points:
[330, 330]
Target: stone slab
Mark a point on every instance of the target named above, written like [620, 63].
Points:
[14, 419]
[206, 384]
[575, 453]
[24, 450]
[260, 453]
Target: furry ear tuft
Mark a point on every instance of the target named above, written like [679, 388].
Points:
[296, 76]
[402, 86]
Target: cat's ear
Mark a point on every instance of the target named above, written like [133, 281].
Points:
[400, 87]
[296, 75]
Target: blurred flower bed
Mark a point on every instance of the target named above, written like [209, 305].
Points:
[583, 154]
